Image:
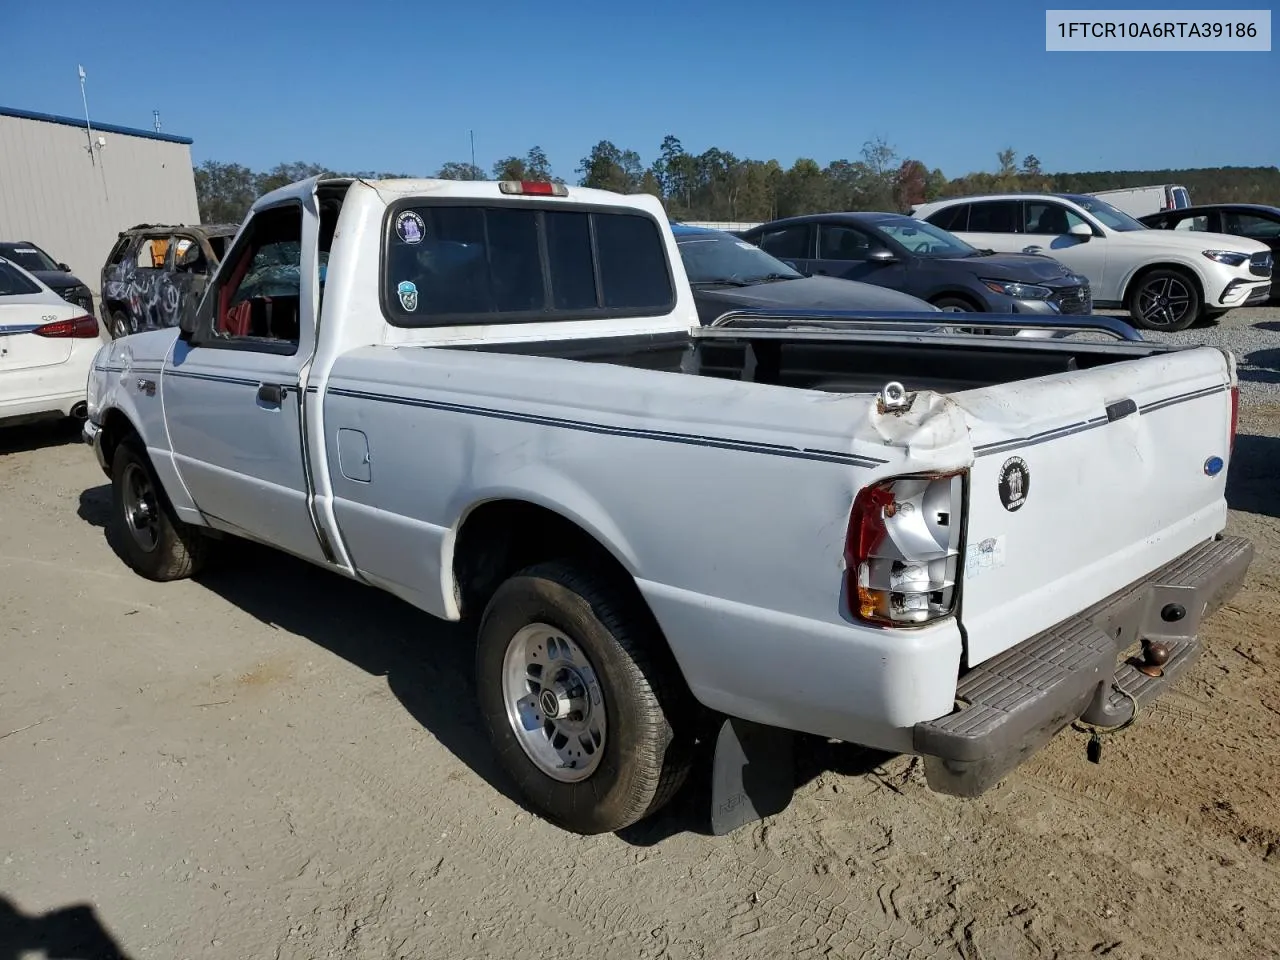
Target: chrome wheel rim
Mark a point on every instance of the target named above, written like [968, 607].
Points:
[1164, 302]
[141, 512]
[554, 702]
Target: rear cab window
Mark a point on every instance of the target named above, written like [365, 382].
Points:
[454, 263]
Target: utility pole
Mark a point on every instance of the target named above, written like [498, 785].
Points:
[472, 134]
[84, 97]
[156, 114]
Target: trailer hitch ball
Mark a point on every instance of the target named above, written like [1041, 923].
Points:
[1156, 655]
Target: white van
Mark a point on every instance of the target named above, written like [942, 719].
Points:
[1140, 201]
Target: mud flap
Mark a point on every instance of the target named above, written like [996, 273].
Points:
[752, 776]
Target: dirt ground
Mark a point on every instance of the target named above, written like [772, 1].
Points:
[276, 763]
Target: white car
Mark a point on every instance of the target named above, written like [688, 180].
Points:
[1165, 280]
[46, 349]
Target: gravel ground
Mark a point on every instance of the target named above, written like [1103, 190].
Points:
[1253, 335]
[273, 762]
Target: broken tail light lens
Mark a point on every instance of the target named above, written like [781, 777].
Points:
[902, 553]
[77, 328]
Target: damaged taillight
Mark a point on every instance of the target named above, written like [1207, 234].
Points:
[902, 553]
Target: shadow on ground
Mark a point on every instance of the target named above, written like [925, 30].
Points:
[71, 933]
[1252, 477]
[429, 667]
[34, 436]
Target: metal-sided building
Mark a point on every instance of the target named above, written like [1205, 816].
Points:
[71, 192]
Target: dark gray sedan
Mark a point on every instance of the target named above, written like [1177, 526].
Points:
[727, 274]
[915, 257]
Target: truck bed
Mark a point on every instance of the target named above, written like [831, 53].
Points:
[840, 360]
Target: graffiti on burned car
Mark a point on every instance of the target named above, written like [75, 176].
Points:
[156, 274]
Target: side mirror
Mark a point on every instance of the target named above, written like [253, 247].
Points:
[1081, 230]
[881, 255]
[64, 268]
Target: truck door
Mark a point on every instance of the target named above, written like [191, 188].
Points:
[232, 389]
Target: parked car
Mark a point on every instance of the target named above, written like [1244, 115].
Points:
[155, 272]
[47, 346]
[908, 255]
[1140, 201]
[727, 273]
[1255, 221]
[1166, 280]
[53, 274]
[512, 415]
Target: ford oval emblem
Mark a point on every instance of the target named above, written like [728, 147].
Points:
[1213, 466]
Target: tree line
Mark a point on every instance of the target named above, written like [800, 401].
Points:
[717, 185]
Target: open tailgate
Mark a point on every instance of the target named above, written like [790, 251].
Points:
[1084, 482]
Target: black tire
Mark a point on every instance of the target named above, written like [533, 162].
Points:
[648, 748]
[176, 550]
[954, 305]
[119, 325]
[1163, 300]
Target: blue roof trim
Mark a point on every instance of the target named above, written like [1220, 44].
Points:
[101, 127]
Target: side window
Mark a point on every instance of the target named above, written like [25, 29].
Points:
[1047, 218]
[1248, 225]
[119, 251]
[790, 243]
[258, 299]
[955, 219]
[838, 242]
[151, 253]
[994, 216]
[448, 264]
[188, 257]
[1199, 224]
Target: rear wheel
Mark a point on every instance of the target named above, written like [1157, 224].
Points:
[145, 531]
[584, 705]
[1164, 300]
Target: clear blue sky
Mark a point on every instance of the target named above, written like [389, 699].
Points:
[383, 85]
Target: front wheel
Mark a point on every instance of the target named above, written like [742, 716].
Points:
[584, 705]
[144, 530]
[1164, 300]
[953, 305]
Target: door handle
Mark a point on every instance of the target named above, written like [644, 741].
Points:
[271, 394]
[1032, 249]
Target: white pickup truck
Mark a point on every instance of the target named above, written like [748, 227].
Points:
[495, 401]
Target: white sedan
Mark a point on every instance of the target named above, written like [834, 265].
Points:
[47, 346]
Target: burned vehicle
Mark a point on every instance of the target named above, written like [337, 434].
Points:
[155, 272]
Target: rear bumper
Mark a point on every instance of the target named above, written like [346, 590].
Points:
[1082, 668]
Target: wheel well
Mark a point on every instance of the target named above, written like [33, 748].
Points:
[1177, 268]
[501, 537]
[957, 295]
[116, 427]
